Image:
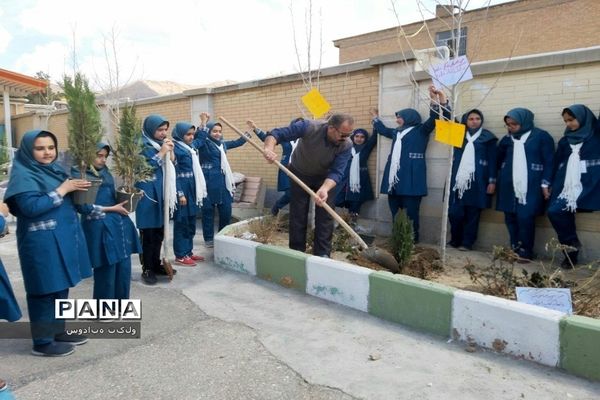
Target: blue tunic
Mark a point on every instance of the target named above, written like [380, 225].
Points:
[149, 211]
[186, 184]
[485, 171]
[9, 308]
[412, 175]
[210, 160]
[111, 237]
[52, 249]
[366, 191]
[283, 181]
[539, 150]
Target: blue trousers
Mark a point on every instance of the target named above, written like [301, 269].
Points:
[184, 230]
[521, 229]
[411, 204]
[563, 222]
[208, 217]
[41, 315]
[464, 224]
[113, 281]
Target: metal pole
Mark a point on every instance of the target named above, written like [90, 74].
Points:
[7, 122]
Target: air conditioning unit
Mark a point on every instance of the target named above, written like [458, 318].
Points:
[427, 57]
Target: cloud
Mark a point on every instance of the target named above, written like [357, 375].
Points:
[52, 58]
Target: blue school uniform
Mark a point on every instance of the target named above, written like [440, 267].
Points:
[218, 194]
[539, 151]
[346, 197]
[184, 219]
[562, 219]
[411, 184]
[111, 239]
[149, 211]
[51, 245]
[9, 308]
[464, 212]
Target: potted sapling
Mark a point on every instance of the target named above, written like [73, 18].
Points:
[129, 163]
[85, 132]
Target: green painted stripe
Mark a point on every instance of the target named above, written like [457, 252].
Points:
[410, 301]
[580, 346]
[283, 266]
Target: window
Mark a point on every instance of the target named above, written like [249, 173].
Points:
[445, 39]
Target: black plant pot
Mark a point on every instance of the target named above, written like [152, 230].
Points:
[81, 197]
[131, 198]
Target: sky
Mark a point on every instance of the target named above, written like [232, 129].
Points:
[188, 41]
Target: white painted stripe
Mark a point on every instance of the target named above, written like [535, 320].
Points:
[236, 254]
[339, 282]
[508, 326]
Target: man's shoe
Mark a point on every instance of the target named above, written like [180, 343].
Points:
[274, 210]
[149, 277]
[75, 340]
[196, 258]
[187, 261]
[464, 248]
[570, 260]
[53, 349]
[210, 244]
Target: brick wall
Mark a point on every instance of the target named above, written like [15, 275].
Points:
[516, 28]
[276, 105]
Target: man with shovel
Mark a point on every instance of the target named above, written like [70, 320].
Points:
[320, 158]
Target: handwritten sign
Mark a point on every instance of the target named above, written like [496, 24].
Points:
[450, 72]
[554, 299]
[315, 102]
[449, 132]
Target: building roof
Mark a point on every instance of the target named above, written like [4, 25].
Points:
[19, 84]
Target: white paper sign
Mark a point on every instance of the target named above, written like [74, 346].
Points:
[450, 72]
[554, 299]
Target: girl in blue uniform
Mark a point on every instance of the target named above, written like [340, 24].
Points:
[217, 174]
[525, 158]
[149, 212]
[576, 185]
[473, 181]
[110, 234]
[283, 181]
[191, 190]
[356, 189]
[405, 177]
[52, 249]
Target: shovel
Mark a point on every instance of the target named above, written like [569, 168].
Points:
[374, 254]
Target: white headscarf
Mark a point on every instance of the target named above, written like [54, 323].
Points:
[226, 169]
[572, 188]
[466, 168]
[354, 181]
[395, 160]
[519, 168]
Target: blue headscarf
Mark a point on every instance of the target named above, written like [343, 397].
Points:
[524, 117]
[359, 131]
[101, 172]
[410, 116]
[587, 123]
[210, 126]
[181, 129]
[28, 175]
[151, 124]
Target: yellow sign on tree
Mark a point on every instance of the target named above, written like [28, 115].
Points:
[449, 132]
[316, 103]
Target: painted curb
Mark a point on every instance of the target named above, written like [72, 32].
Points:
[283, 266]
[507, 326]
[420, 304]
[338, 282]
[236, 254]
[580, 346]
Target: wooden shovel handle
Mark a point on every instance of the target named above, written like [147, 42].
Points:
[308, 190]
